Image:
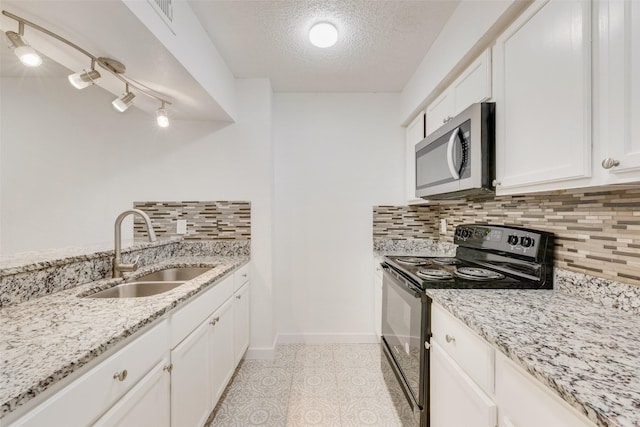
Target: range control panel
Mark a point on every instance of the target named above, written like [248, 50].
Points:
[512, 240]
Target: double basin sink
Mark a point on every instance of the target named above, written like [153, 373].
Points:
[153, 283]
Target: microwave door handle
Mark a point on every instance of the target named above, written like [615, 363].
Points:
[452, 142]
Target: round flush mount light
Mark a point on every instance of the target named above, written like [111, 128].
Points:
[323, 35]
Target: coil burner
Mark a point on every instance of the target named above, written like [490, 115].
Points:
[408, 260]
[446, 261]
[434, 274]
[474, 273]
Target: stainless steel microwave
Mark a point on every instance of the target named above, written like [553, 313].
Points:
[458, 159]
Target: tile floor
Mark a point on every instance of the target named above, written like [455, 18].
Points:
[309, 385]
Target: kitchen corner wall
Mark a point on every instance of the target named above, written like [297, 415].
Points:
[597, 230]
[220, 220]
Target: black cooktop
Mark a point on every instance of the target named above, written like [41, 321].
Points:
[488, 257]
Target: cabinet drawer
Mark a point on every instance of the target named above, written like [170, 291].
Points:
[82, 401]
[241, 276]
[474, 355]
[190, 316]
[525, 402]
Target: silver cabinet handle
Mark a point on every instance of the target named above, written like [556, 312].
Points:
[238, 296]
[244, 275]
[168, 368]
[452, 141]
[495, 183]
[608, 163]
[427, 345]
[120, 376]
[450, 338]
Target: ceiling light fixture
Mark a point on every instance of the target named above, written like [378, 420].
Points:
[125, 101]
[161, 117]
[80, 80]
[323, 34]
[27, 55]
[85, 78]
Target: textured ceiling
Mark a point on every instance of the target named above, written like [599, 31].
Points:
[381, 42]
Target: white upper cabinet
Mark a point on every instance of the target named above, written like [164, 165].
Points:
[414, 134]
[619, 87]
[473, 85]
[542, 89]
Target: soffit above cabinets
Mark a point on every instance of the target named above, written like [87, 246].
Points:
[108, 28]
[380, 43]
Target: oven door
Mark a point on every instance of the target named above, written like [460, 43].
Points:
[405, 329]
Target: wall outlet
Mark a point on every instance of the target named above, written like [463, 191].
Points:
[181, 226]
[443, 226]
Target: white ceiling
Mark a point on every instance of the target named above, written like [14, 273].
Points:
[381, 42]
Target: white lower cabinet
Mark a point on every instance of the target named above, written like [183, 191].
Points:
[492, 392]
[525, 402]
[172, 375]
[221, 350]
[242, 322]
[456, 400]
[148, 404]
[377, 296]
[191, 397]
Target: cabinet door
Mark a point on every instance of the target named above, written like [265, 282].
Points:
[241, 315]
[455, 400]
[413, 135]
[146, 405]
[473, 85]
[377, 296]
[221, 360]
[191, 400]
[524, 402]
[439, 111]
[543, 97]
[620, 89]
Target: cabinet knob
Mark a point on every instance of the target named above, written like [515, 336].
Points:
[450, 338]
[608, 163]
[168, 368]
[238, 296]
[427, 345]
[120, 376]
[495, 183]
[214, 321]
[244, 275]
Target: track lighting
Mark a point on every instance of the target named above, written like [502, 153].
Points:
[161, 117]
[84, 79]
[27, 55]
[121, 104]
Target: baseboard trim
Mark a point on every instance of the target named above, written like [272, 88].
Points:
[327, 338]
[262, 352]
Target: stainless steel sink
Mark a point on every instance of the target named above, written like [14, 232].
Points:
[174, 274]
[137, 289]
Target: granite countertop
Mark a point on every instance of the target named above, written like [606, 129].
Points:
[588, 354]
[46, 339]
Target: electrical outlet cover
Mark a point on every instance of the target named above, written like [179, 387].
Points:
[181, 226]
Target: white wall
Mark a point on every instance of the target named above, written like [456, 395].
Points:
[70, 164]
[336, 155]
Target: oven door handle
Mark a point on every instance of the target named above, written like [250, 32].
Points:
[452, 142]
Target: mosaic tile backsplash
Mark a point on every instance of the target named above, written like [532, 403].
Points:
[220, 220]
[597, 230]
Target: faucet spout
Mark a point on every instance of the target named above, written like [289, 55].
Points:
[118, 266]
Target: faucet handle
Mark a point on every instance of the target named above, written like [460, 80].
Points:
[127, 268]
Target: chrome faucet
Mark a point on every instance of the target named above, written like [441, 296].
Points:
[118, 267]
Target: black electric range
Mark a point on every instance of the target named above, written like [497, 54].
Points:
[488, 257]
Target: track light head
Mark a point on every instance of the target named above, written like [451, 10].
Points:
[84, 79]
[121, 104]
[162, 118]
[27, 55]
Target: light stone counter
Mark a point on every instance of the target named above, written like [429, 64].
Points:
[588, 354]
[46, 339]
